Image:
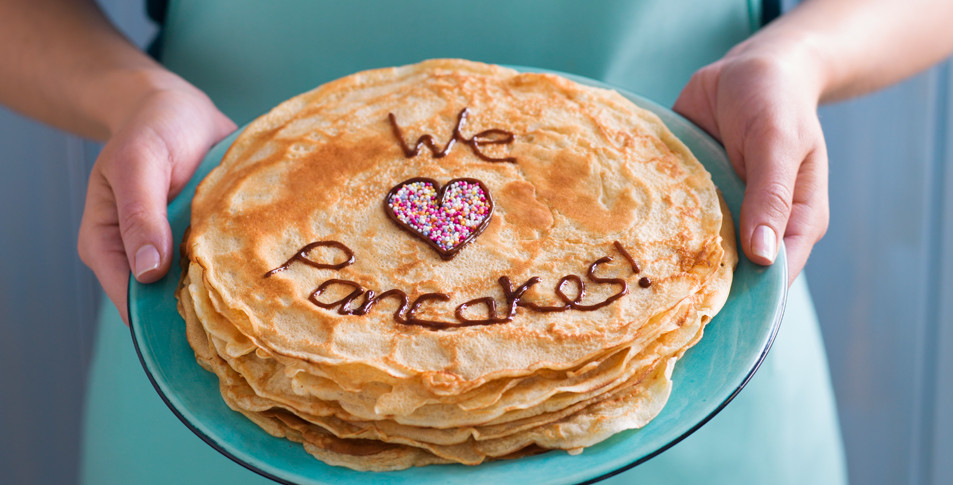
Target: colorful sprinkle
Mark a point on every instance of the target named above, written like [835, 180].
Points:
[448, 224]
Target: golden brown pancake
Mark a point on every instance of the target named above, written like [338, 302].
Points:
[454, 259]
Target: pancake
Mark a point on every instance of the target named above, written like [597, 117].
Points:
[452, 261]
[374, 400]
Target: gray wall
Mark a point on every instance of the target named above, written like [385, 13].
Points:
[882, 281]
[47, 301]
[48, 298]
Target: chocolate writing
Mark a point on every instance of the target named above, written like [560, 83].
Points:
[625, 254]
[493, 136]
[360, 300]
[302, 256]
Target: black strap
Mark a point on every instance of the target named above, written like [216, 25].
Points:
[770, 10]
[156, 10]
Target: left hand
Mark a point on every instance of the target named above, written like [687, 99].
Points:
[146, 162]
[762, 106]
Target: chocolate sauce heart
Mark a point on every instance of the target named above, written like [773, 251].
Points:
[446, 218]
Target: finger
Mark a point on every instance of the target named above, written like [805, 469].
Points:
[192, 146]
[771, 161]
[99, 244]
[138, 173]
[810, 212]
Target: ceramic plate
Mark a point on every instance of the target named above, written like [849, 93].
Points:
[705, 379]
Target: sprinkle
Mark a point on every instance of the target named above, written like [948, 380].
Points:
[464, 208]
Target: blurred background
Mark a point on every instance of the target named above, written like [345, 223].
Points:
[882, 281]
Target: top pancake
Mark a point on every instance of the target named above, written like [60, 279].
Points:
[591, 169]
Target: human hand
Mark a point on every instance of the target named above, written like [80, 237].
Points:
[762, 105]
[149, 158]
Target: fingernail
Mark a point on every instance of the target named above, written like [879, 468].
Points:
[147, 259]
[764, 243]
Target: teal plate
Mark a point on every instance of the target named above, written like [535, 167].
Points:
[709, 375]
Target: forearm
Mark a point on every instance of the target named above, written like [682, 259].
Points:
[66, 65]
[853, 47]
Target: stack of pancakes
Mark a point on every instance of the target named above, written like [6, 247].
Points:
[552, 326]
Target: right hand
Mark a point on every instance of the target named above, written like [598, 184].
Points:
[149, 158]
[760, 101]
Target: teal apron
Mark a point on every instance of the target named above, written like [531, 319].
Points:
[248, 56]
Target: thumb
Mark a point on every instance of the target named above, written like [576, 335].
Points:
[140, 179]
[771, 161]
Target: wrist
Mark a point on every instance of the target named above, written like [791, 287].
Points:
[116, 93]
[794, 52]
